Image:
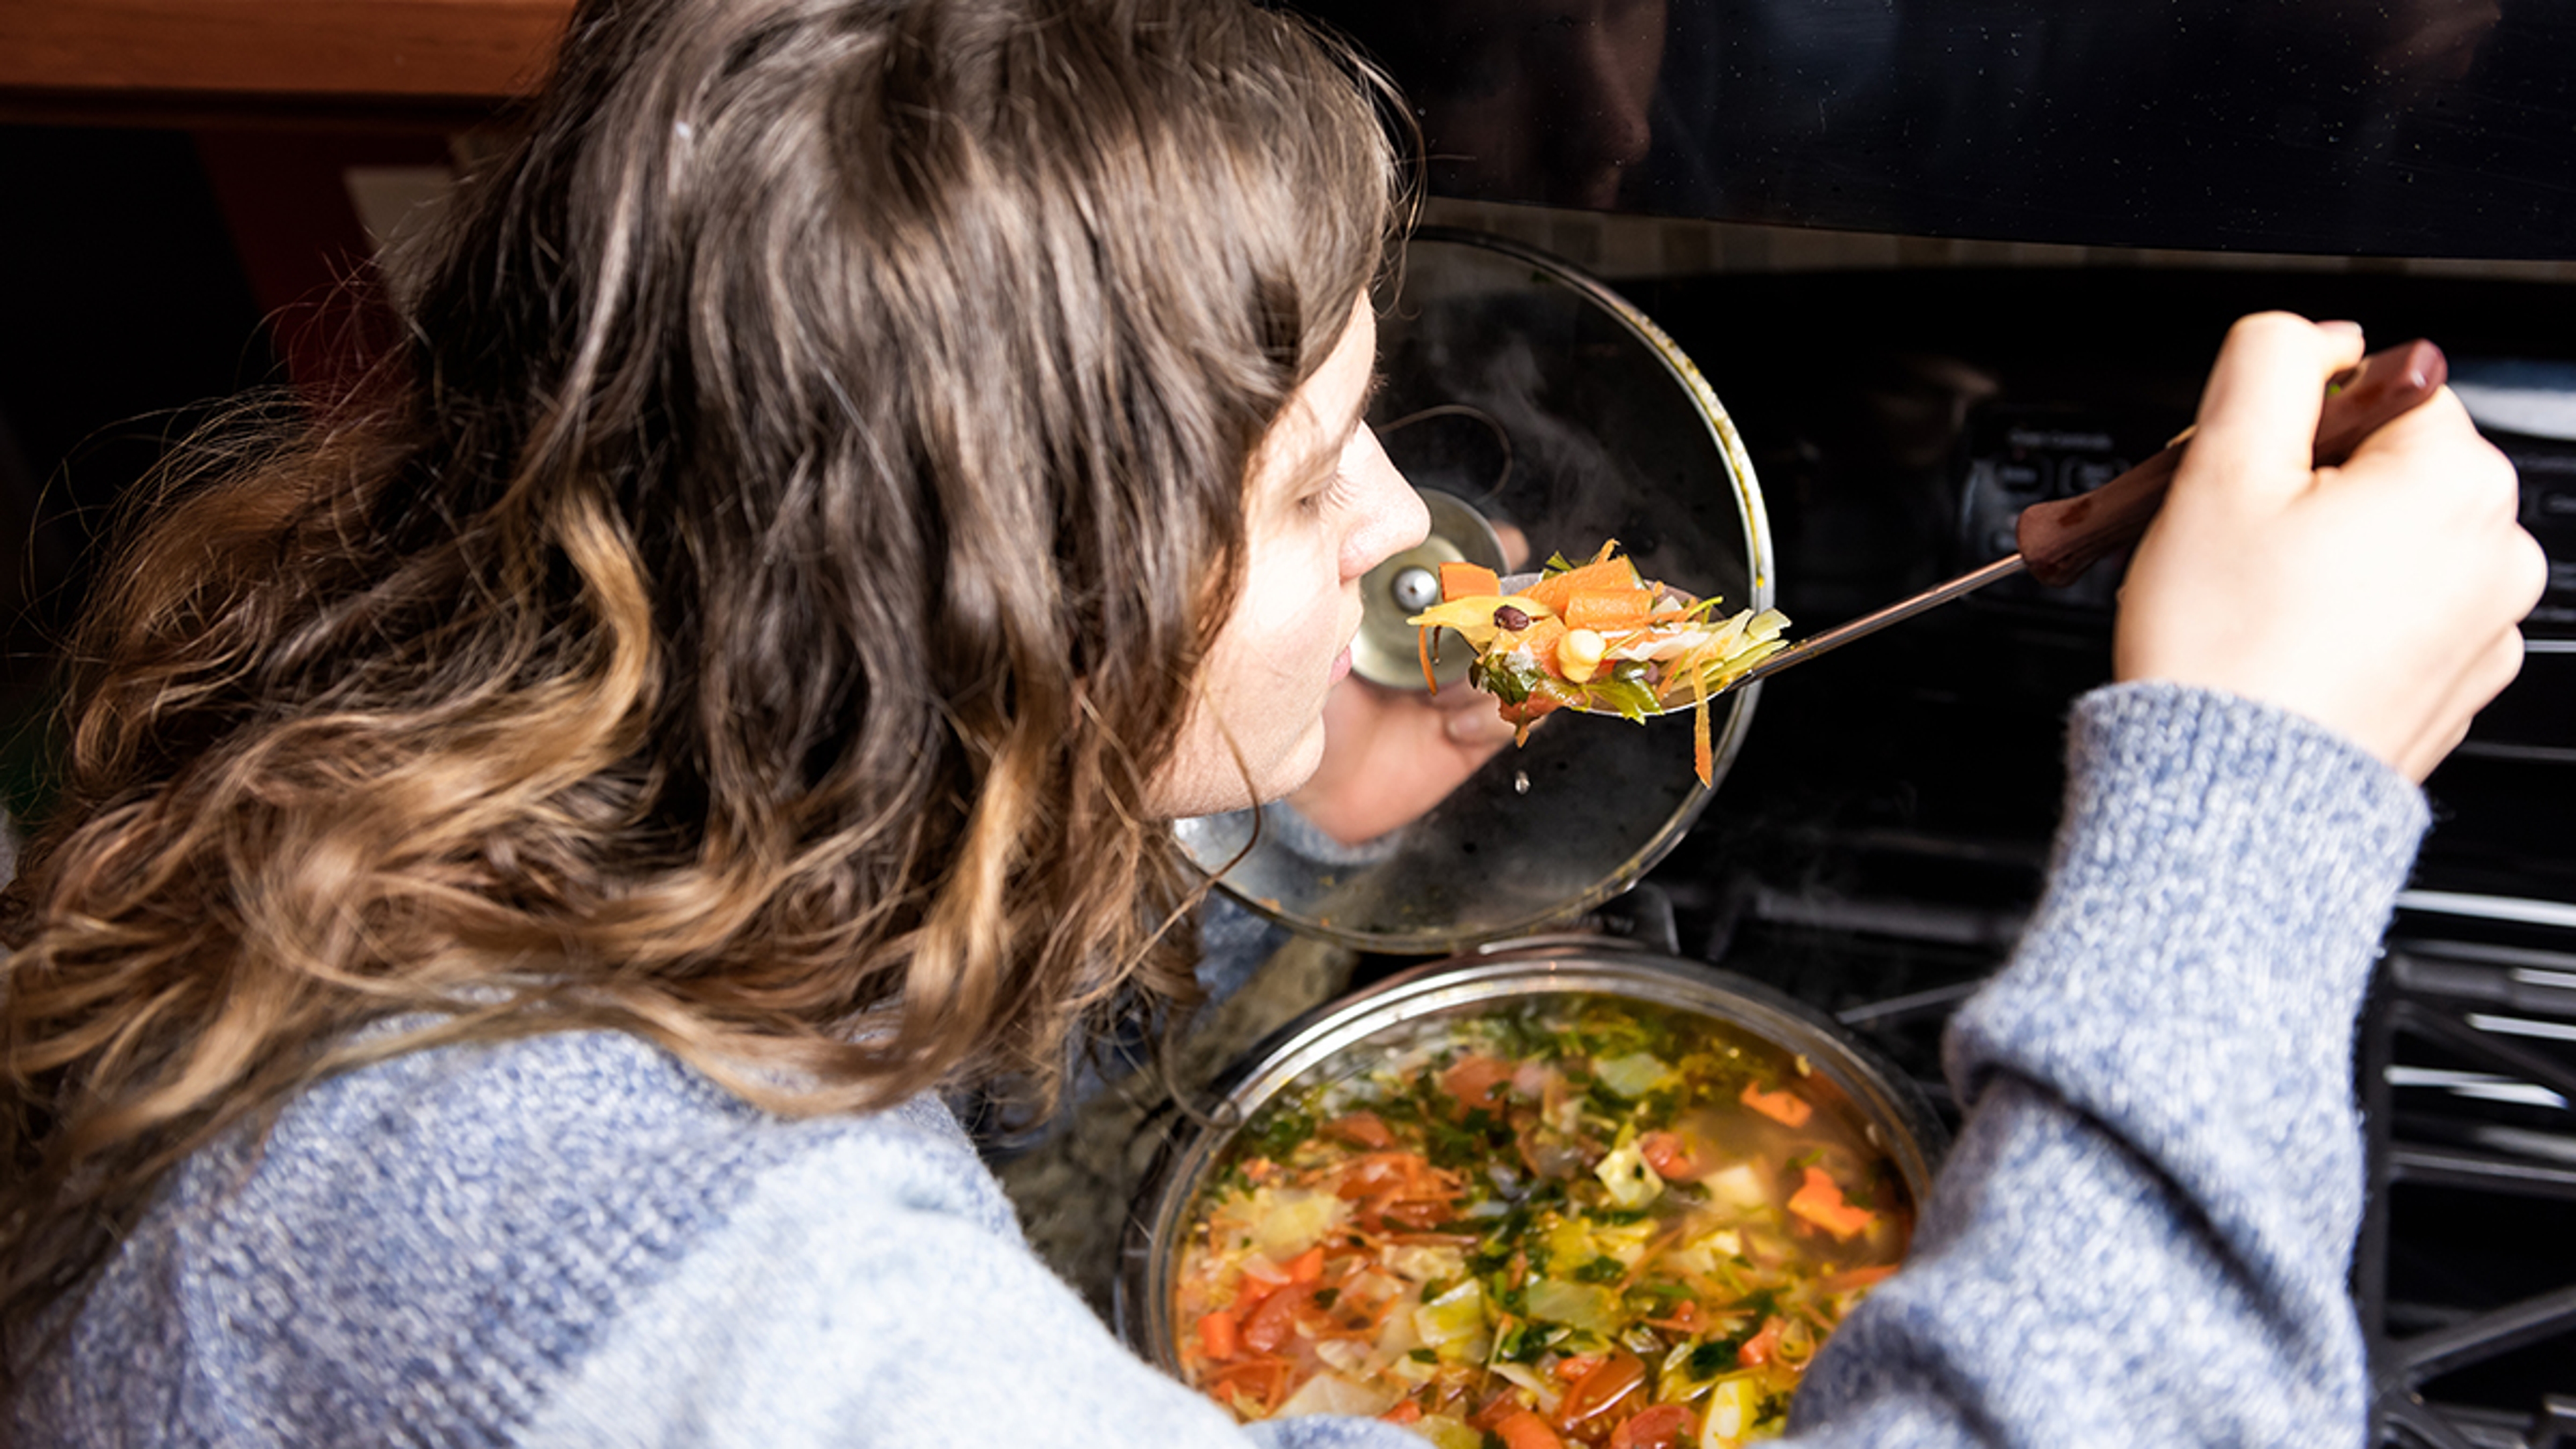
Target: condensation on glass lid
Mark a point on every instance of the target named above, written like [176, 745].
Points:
[1504, 355]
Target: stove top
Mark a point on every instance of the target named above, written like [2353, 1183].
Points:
[1884, 833]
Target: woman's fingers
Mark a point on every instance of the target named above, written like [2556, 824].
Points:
[2258, 416]
[2379, 599]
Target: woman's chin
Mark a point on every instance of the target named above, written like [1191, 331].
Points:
[1216, 786]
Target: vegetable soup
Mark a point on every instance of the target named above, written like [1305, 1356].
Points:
[1565, 1219]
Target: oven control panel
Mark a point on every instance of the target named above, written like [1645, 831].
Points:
[2013, 457]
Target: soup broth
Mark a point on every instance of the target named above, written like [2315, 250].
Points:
[1568, 1219]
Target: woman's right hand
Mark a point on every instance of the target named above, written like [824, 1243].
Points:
[2380, 598]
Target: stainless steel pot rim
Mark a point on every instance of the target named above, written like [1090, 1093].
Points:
[1900, 1120]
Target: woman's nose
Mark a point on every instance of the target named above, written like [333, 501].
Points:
[1391, 517]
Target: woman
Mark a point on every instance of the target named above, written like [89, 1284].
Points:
[533, 849]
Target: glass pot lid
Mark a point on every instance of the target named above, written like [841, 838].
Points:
[1529, 403]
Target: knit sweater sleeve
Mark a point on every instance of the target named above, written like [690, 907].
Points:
[868, 1294]
[2143, 1233]
[2140, 1238]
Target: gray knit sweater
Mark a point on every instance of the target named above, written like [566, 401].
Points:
[2141, 1236]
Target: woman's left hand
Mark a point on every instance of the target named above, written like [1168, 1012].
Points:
[1392, 754]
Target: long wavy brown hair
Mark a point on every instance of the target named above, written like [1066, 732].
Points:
[751, 618]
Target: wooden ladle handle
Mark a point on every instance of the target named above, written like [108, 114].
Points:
[2059, 540]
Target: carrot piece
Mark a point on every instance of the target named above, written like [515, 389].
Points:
[1607, 609]
[1784, 1106]
[1462, 580]
[1820, 1201]
[1526, 1430]
[1683, 1319]
[1219, 1337]
[1307, 1266]
[1422, 651]
[1850, 1278]
[1605, 573]
[1703, 757]
[1758, 1349]
[1403, 1413]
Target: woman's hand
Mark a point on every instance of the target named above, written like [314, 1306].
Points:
[1392, 754]
[2380, 598]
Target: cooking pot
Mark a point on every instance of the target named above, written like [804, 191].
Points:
[1842, 1074]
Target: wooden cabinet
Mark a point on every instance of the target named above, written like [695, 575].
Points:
[147, 60]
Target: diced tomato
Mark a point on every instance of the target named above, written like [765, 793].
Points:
[1609, 1384]
[1360, 1129]
[1662, 1426]
[1525, 1430]
[1218, 1336]
[1269, 1324]
[1820, 1201]
[1475, 1080]
[1462, 580]
[1403, 1413]
[1666, 1153]
[1784, 1106]
[1758, 1349]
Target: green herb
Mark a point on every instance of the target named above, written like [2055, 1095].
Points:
[1628, 698]
[1279, 1134]
[1711, 1359]
[1509, 677]
[1423, 1355]
[1556, 564]
[1324, 1296]
[1608, 1103]
[1531, 1346]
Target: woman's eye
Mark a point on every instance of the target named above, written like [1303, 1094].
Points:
[1334, 491]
